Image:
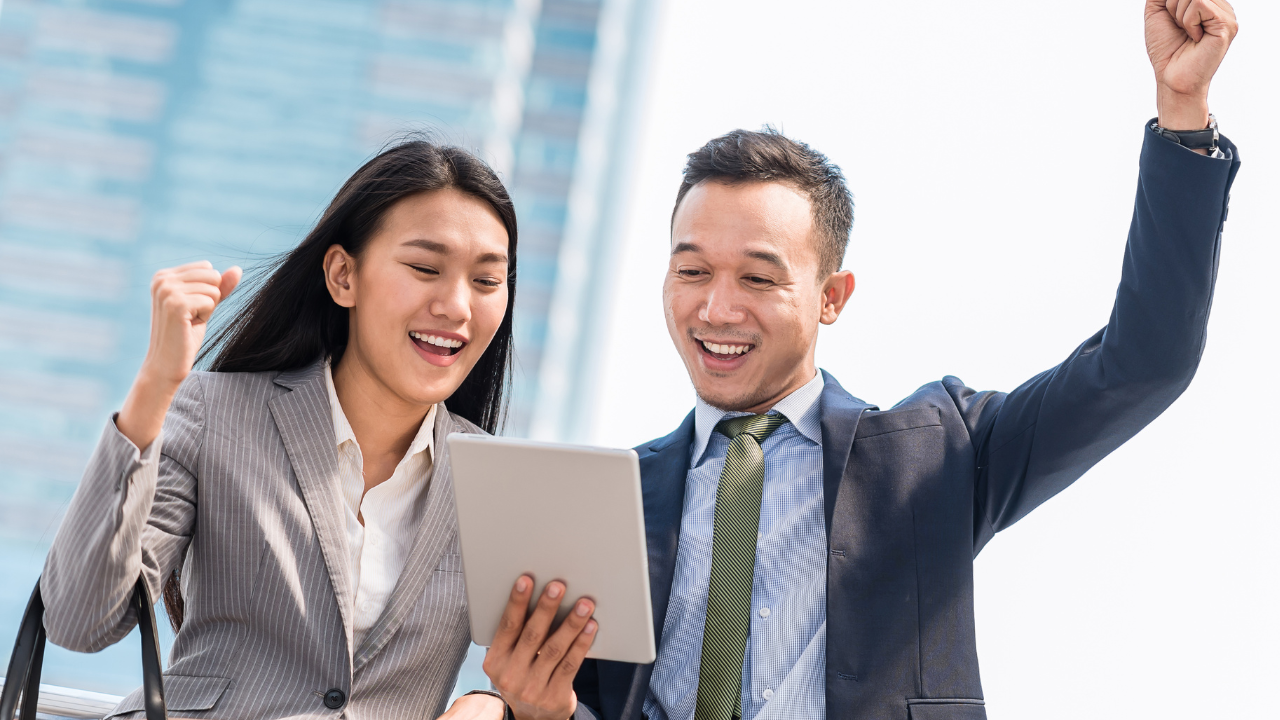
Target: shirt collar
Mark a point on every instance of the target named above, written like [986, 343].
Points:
[801, 408]
[342, 429]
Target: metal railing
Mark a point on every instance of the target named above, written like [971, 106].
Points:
[57, 703]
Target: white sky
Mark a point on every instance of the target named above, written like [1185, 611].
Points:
[992, 152]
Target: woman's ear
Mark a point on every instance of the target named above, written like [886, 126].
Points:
[340, 275]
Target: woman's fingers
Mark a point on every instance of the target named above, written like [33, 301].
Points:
[557, 647]
[531, 666]
[196, 274]
[538, 624]
[512, 622]
[567, 669]
[200, 306]
[175, 289]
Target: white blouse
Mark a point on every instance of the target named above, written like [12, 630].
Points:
[391, 511]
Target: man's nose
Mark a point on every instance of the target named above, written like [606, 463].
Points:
[721, 308]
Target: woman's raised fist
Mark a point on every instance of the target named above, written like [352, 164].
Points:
[182, 301]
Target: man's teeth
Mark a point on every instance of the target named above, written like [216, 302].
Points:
[436, 340]
[726, 349]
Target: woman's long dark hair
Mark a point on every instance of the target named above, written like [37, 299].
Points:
[288, 319]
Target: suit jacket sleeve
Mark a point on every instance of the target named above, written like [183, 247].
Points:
[133, 513]
[1031, 443]
[587, 686]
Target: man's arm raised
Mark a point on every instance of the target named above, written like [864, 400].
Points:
[1033, 442]
[1186, 41]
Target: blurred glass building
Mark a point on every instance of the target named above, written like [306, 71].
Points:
[140, 134]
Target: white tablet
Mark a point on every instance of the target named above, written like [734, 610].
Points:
[558, 512]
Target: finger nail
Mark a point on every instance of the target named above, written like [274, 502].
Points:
[522, 584]
[554, 590]
[590, 629]
[583, 609]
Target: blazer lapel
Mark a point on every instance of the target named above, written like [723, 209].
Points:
[663, 474]
[664, 465]
[305, 421]
[436, 530]
[840, 414]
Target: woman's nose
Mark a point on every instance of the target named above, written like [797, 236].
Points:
[453, 302]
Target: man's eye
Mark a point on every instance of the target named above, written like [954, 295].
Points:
[691, 273]
[754, 280]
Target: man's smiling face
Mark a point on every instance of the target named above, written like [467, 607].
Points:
[743, 293]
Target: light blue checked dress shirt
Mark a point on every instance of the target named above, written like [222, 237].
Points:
[783, 674]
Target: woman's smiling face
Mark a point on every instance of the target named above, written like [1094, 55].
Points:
[427, 293]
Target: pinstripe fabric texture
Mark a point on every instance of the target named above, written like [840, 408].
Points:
[733, 559]
[379, 546]
[784, 668]
[242, 490]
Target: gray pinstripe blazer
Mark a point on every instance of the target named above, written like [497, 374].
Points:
[241, 490]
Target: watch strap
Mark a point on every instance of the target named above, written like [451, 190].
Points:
[506, 709]
[1206, 139]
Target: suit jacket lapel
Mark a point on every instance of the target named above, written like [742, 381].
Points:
[664, 465]
[305, 421]
[436, 531]
[840, 414]
[664, 472]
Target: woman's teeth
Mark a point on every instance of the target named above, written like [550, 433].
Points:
[725, 349]
[436, 340]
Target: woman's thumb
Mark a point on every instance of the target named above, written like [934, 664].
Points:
[230, 279]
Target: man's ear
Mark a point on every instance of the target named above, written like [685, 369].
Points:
[340, 275]
[835, 293]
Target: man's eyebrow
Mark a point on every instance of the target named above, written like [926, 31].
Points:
[438, 247]
[771, 258]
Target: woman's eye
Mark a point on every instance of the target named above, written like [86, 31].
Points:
[425, 270]
[489, 282]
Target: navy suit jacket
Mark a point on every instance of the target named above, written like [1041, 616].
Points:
[913, 493]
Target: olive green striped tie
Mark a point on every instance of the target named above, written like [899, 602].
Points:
[733, 560]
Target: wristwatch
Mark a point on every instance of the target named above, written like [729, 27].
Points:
[1206, 139]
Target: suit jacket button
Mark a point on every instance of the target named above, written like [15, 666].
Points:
[335, 699]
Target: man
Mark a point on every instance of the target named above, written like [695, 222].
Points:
[811, 555]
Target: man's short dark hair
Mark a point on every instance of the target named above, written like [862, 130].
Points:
[769, 156]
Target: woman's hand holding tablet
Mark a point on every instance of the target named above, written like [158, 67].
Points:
[533, 671]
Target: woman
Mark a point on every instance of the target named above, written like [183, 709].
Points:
[302, 487]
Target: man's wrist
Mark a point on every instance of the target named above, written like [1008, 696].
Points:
[1178, 111]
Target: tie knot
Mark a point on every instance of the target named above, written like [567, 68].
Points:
[758, 427]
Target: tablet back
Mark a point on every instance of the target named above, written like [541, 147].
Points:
[558, 512]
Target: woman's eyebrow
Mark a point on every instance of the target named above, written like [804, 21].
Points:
[442, 249]
[429, 245]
